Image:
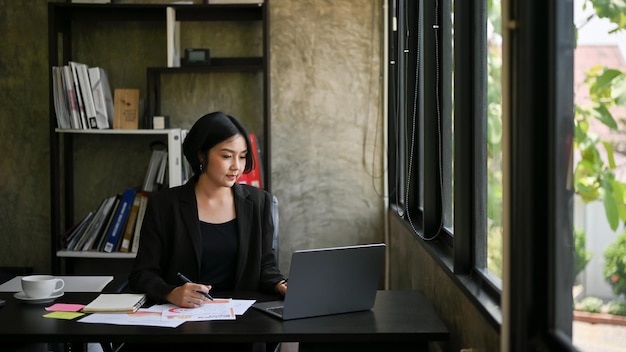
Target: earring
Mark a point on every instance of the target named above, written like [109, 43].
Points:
[201, 167]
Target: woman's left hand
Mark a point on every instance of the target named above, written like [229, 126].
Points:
[281, 287]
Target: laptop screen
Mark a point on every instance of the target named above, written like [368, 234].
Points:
[333, 280]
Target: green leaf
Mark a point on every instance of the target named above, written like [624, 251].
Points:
[606, 85]
[610, 207]
[603, 115]
[591, 157]
[586, 168]
[613, 10]
[586, 181]
[605, 80]
[619, 190]
[592, 74]
[609, 154]
[618, 91]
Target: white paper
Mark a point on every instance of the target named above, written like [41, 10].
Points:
[242, 305]
[169, 315]
[218, 309]
[144, 316]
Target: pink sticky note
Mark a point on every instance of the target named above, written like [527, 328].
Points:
[65, 307]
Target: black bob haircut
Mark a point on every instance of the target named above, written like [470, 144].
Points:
[210, 130]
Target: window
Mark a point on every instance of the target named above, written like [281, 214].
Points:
[478, 149]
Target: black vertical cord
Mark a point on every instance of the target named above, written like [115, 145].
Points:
[415, 97]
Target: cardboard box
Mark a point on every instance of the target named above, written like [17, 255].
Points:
[126, 109]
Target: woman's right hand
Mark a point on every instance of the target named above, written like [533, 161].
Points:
[189, 295]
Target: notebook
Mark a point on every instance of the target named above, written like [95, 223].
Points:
[116, 303]
[330, 281]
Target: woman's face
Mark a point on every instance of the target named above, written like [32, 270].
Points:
[227, 160]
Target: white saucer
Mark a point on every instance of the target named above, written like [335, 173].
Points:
[22, 297]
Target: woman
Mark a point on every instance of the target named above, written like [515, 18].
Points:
[214, 231]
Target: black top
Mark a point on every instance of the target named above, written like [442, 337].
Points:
[219, 255]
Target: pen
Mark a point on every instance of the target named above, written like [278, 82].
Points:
[184, 278]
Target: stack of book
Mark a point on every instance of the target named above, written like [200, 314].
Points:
[82, 97]
[116, 225]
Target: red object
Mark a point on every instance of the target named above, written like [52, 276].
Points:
[254, 178]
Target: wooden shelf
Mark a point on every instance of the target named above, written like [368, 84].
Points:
[93, 254]
[116, 131]
[156, 12]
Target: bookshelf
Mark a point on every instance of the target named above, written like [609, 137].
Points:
[172, 138]
[148, 70]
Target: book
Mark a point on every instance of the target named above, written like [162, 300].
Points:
[106, 223]
[79, 96]
[115, 303]
[77, 231]
[105, 230]
[126, 109]
[60, 98]
[99, 224]
[173, 38]
[68, 79]
[85, 92]
[89, 231]
[153, 168]
[102, 97]
[129, 229]
[119, 220]
[143, 204]
[160, 179]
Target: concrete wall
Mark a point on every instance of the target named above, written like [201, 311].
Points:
[468, 327]
[24, 163]
[326, 122]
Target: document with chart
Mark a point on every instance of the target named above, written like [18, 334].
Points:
[169, 315]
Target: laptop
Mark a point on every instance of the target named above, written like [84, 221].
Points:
[330, 281]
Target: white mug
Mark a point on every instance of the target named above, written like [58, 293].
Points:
[41, 286]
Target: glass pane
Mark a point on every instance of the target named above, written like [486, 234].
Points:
[448, 139]
[494, 139]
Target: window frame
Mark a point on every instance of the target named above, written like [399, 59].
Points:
[538, 309]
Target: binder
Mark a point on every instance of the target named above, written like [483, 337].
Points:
[120, 220]
[102, 97]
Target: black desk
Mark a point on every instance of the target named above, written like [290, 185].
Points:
[400, 320]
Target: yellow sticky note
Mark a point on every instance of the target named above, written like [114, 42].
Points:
[63, 315]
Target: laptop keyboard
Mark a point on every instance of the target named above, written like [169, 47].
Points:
[277, 310]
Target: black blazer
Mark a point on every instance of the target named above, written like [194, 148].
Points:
[170, 242]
